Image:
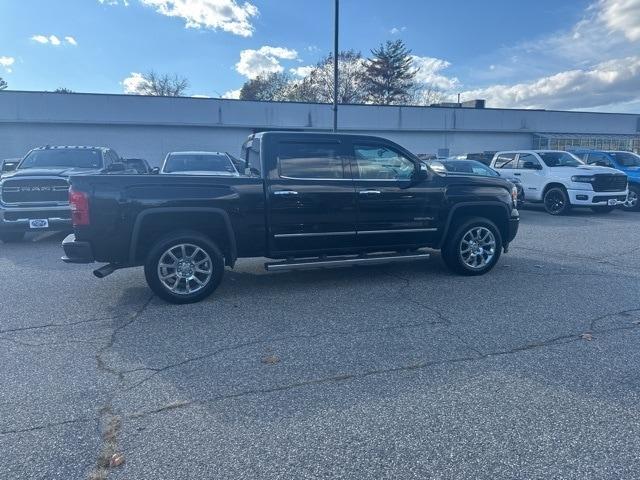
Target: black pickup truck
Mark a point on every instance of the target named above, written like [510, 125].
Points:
[304, 200]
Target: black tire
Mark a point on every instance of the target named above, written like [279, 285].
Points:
[556, 201]
[453, 251]
[632, 204]
[207, 283]
[603, 209]
[11, 237]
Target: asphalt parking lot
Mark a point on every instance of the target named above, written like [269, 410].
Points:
[397, 371]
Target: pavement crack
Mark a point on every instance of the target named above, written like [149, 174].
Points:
[157, 370]
[59, 325]
[45, 426]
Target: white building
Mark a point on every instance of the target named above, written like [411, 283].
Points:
[149, 127]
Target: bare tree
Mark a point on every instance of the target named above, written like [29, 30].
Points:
[63, 90]
[317, 86]
[269, 87]
[425, 94]
[162, 85]
[3, 84]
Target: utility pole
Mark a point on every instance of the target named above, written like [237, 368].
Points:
[335, 67]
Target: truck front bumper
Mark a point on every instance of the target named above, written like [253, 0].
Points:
[589, 198]
[76, 251]
[18, 219]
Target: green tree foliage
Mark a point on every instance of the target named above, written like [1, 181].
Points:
[390, 74]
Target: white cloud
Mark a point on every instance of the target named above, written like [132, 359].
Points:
[611, 82]
[265, 60]
[232, 94]
[54, 40]
[429, 73]
[303, 71]
[133, 83]
[622, 16]
[226, 15]
[396, 30]
[40, 39]
[200, 96]
[7, 62]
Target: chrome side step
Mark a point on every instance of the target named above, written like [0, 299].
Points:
[300, 264]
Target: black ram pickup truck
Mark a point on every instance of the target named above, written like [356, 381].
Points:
[34, 191]
[304, 200]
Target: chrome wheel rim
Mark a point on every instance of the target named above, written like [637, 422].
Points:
[477, 247]
[554, 201]
[632, 200]
[185, 269]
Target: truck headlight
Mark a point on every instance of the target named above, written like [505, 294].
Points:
[514, 195]
[582, 178]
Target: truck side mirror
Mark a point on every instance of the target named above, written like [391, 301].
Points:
[9, 166]
[155, 171]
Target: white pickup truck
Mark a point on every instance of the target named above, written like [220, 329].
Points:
[560, 180]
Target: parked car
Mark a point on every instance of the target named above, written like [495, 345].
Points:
[472, 167]
[561, 180]
[199, 163]
[310, 200]
[34, 193]
[139, 166]
[627, 162]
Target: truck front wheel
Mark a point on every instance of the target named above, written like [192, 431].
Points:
[474, 248]
[184, 267]
[556, 201]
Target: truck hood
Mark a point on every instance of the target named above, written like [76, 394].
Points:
[63, 172]
[583, 170]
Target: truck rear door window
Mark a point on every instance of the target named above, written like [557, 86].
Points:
[311, 160]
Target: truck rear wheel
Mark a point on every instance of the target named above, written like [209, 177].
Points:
[474, 248]
[184, 267]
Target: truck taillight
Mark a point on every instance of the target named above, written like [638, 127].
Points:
[79, 202]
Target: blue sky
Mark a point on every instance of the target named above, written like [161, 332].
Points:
[572, 54]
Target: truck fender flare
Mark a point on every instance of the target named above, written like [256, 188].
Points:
[233, 249]
[457, 206]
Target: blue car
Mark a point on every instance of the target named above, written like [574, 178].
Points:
[627, 162]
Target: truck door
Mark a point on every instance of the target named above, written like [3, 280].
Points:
[531, 173]
[391, 210]
[312, 204]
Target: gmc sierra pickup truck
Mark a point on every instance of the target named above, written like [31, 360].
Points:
[304, 200]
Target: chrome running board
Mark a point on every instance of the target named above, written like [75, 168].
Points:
[300, 264]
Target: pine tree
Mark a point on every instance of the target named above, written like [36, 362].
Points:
[3, 84]
[390, 75]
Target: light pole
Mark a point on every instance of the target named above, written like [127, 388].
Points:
[335, 67]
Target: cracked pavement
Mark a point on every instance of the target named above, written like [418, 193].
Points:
[395, 371]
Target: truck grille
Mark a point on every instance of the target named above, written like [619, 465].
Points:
[609, 183]
[27, 190]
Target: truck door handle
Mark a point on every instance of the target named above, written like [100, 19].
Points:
[285, 192]
[517, 174]
[369, 192]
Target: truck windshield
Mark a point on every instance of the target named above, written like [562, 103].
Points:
[626, 159]
[560, 159]
[199, 163]
[66, 158]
